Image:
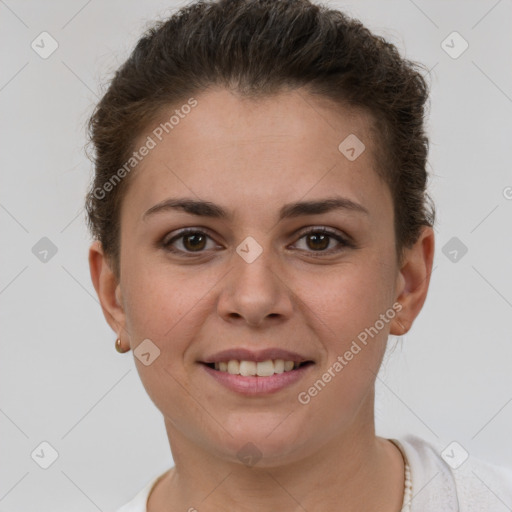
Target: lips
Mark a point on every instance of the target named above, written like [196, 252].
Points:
[252, 386]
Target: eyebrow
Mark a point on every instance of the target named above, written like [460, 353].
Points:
[209, 209]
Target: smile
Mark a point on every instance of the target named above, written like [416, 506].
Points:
[246, 378]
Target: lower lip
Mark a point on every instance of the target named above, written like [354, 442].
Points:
[254, 385]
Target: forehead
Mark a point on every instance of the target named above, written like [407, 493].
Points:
[257, 152]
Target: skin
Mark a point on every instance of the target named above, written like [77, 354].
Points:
[252, 157]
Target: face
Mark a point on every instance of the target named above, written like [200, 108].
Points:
[256, 279]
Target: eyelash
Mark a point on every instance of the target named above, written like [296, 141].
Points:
[345, 243]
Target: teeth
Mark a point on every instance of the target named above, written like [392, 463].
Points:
[261, 369]
[288, 365]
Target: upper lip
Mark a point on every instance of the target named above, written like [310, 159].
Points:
[243, 354]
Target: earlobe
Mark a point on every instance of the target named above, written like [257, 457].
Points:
[107, 287]
[413, 281]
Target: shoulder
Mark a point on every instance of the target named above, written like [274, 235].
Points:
[139, 502]
[447, 478]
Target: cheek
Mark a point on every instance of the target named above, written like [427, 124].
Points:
[346, 308]
[159, 297]
[348, 298]
[163, 306]
[347, 305]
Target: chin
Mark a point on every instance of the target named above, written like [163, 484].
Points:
[260, 446]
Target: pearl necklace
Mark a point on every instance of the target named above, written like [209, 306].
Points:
[406, 506]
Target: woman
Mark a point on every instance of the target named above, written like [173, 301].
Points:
[261, 227]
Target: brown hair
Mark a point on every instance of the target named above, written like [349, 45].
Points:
[258, 48]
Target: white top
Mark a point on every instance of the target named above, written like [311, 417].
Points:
[442, 480]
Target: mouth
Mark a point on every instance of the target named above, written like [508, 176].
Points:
[250, 378]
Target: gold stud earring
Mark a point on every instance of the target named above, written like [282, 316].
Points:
[119, 348]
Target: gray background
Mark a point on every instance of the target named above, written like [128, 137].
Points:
[61, 380]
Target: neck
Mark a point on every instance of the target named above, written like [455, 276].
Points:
[353, 471]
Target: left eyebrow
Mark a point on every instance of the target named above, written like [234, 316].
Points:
[291, 210]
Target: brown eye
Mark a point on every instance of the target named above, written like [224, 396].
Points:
[194, 242]
[319, 240]
[187, 242]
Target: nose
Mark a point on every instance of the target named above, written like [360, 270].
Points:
[255, 293]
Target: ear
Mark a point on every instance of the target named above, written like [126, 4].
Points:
[413, 281]
[107, 288]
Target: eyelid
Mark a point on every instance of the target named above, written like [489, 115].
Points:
[325, 230]
[175, 235]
